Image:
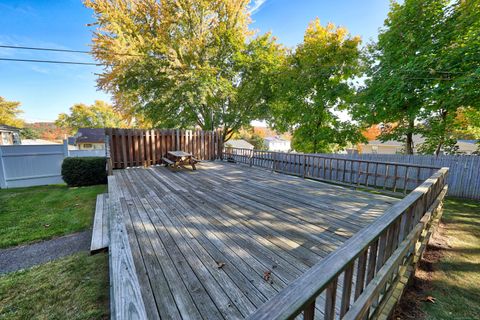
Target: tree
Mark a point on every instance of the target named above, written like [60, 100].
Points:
[454, 73]
[185, 63]
[313, 84]
[98, 115]
[29, 133]
[393, 94]
[9, 112]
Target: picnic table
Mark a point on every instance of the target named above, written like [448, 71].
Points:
[179, 159]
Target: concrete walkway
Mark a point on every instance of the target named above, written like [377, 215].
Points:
[21, 257]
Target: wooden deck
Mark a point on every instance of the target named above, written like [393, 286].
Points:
[218, 242]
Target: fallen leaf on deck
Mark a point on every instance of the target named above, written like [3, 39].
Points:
[220, 265]
[266, 275]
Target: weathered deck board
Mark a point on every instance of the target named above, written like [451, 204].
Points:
[100, 237]
[202, 241]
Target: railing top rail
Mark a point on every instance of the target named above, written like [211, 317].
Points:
[403, 164]
[307, 287]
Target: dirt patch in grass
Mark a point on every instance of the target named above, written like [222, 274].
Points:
[75, 287]
[40, 213]
[445, 284]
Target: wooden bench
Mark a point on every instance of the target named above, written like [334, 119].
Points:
[168, 162]
[100, 236]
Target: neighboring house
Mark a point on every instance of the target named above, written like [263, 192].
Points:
[9, 135]
[37, 142]
[277, 144]
[394, 147]
[467, 146]
[239, 144]
[90, 139]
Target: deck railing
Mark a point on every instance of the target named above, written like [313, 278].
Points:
[365, 277]
[387, 176]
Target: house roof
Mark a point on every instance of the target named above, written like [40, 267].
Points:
[417, 139]
[276, 139]
[239, 144]
[4, 127]
[90, 135]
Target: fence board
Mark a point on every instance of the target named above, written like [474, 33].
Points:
[148, 147]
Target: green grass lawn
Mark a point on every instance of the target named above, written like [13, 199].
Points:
[39, 213]
[455, 278]
[75, 287]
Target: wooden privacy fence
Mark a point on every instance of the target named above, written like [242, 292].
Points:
[135, 147]
[388, 176]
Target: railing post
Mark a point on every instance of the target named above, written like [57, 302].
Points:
[3, 174]
[304, 165]
[274, 157]
[107, 154]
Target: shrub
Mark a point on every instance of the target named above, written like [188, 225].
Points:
[85, 171]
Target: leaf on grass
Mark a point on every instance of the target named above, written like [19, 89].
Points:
[46, 225]
[430, 299]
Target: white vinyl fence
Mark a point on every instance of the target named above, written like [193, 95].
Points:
[35, 165]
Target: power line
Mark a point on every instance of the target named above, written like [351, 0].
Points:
[43, 49]
[51, 61]
[64, 50]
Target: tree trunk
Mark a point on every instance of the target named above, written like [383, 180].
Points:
[443, 116]
[409, 142]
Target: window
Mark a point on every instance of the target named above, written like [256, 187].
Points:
[87, 146]
[374, 149]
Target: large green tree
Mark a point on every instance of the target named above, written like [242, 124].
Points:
[424, 67]
[9, 112]
[185, 63]
[453, 76]
[98, 115]
[313, 85]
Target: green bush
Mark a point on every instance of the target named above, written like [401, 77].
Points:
[85, 171]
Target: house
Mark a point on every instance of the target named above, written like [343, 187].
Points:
[277, 144]
[468, 146]
[390, 147]
[90, 138]
[37, 142]
[394, 147]
[240, 143]
[9, 135]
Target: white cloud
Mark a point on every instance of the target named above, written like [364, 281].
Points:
[255, 5]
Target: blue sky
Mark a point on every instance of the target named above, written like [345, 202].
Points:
[46, 90]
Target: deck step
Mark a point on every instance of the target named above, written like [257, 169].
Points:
[100, 237]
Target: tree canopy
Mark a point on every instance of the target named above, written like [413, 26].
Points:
[313, 85]
[9, 112]
[189, 63]
[98, 115]
[185, 63]
[423, 68]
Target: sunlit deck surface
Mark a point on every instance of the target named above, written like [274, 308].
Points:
[220, 241]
